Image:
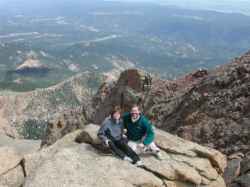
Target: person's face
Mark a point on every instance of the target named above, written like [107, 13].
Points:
[116, 115]
[135, 112]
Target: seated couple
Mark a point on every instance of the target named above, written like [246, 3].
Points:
[139, 135]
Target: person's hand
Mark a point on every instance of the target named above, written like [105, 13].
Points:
[141, 145]
[107, 142]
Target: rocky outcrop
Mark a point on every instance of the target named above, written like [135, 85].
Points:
[64, 124]
[215, 111]
[67, 162]
[32, 65]
[126, 91]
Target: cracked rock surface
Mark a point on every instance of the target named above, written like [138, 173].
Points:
[67, 163]
[11, 173]
[12, 165]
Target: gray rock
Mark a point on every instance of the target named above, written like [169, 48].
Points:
[11, 171]
[245, 166]
[13, 178]
[80, 165]
[21, 145]
[232, 171]
[243, 181]
[9, 159]
[183, 162]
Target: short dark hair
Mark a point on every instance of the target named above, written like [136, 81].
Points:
[114, 110]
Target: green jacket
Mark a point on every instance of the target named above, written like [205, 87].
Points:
[139, 130]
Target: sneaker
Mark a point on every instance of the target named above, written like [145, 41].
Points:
[138, 163]
[128, 159]
[158, 155]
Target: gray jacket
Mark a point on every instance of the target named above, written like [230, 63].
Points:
[116, 130]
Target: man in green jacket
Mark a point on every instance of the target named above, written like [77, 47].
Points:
[140, 132]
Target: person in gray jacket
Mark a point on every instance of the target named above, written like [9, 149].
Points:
[111, 134]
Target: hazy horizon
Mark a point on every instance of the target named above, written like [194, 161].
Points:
[234, 6]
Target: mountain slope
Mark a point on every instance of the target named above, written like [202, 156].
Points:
[28, 113]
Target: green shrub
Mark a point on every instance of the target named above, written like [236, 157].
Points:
[34, 129]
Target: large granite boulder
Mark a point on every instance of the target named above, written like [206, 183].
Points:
[66, 162]
[81, 165]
